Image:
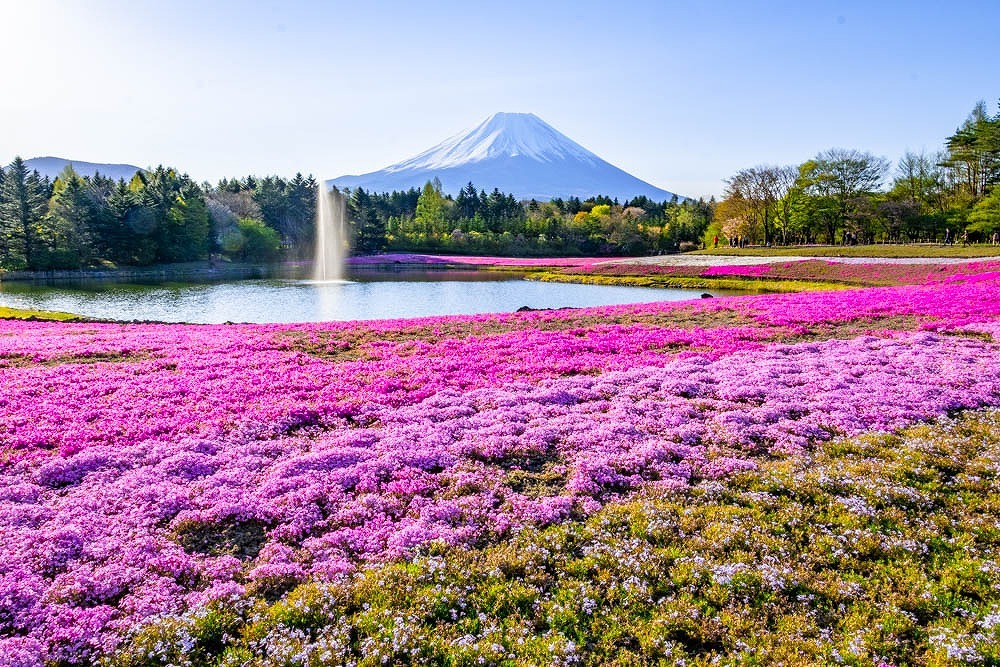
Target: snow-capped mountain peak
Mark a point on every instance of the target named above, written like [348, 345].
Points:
[500, 135]
[517, 153]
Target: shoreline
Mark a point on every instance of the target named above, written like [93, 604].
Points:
[204, 271]
[188, 270]
[735, 284]
[212, 271]
[555, 269]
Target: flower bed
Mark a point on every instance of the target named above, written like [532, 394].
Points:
[150, 470]
[865, 274]
[471, 260]
[876, 550]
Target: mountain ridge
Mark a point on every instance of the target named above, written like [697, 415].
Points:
[517, 153]
[52, 166]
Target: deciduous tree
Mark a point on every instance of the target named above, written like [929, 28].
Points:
[429, 217]
[846, 179]
[753, 195]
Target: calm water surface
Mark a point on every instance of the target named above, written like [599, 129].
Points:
[376, 296]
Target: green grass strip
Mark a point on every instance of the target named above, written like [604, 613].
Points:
[913, 250]
[757, 285]
[49, 315]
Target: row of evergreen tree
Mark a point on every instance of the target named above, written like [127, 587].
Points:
[77, 221]
[477, 221]
[163, 216]
[160, 216]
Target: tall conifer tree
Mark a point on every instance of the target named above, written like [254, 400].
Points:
[22, 205]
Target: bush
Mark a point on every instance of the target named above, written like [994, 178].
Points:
[252, 241]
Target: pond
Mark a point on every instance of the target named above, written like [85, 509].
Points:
[377, 295]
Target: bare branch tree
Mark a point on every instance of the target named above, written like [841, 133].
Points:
[754, 193]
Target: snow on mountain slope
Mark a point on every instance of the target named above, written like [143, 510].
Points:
[517, 153]
[500, 135]
[52, 166]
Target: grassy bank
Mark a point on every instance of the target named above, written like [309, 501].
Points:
[23, 314]
[757, 285]
[914, 250]
[796, 275]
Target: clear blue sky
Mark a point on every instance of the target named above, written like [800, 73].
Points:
[681, 95]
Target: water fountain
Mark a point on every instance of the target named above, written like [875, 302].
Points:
[331, 234]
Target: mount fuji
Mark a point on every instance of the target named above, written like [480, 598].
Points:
[518, 153]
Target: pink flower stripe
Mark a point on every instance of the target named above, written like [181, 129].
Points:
[146, 469]
[810, 269]
[413, 258]
[753, 271]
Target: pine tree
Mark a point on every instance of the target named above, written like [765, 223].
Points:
[974, 152]
[371, 233]
[467, 202]
[127, 234]
[65, 233]
[186, 235]
[22, 205]
[298, 226]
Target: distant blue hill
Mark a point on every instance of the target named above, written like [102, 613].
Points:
[53, 166]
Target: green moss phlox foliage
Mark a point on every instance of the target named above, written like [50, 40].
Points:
[882, 549]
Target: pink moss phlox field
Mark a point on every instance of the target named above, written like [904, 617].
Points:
[807, 269]
[752, 271]
[147, 469]
[470, 260]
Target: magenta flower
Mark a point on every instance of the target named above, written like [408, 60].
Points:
[147, 469]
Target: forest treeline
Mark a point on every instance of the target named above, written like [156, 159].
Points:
[839, 196]
[160, 216]
[849, 196]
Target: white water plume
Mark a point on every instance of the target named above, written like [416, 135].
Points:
[331, 234]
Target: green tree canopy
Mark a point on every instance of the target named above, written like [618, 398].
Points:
[22, 206]
[429, 216]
